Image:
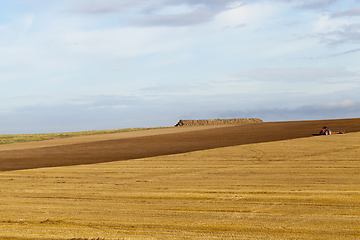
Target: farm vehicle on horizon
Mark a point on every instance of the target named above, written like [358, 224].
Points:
[327, 131]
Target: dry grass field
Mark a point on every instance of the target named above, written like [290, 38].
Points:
[305, 188]
[21, 138]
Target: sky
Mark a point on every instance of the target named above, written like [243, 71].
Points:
[77, 65]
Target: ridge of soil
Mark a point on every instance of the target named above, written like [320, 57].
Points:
[217, 121]
[169, 141]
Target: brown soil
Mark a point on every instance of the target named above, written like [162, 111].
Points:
[169, 141]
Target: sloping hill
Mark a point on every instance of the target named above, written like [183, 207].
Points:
[170, 141]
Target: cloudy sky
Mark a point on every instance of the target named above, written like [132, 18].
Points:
[74, 65]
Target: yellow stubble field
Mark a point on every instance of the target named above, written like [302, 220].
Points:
[306, 188]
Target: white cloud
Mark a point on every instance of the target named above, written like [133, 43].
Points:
[252, 15]
[287, 48]
[316, 4]
[326, 23]
[337, 30]
[126, 42]
[158, 12]
[300, 75]
[176, 9]
[14, 32]
[337, 110]
[4, 115]
[347, 13]
[102, 7]
[342, 104]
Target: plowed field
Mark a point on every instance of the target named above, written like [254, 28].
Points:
[249, 181]
[125, 146]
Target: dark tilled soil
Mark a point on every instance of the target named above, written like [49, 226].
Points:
[149, 146]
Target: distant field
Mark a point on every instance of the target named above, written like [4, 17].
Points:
[306, 188]
[20, 138]
[156, 142]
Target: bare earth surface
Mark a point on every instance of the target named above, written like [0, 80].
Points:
[249, 181]
[133, 145]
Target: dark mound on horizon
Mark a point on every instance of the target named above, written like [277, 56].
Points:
[217, 121]
[165, 144]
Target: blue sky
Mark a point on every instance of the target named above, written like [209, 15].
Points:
[74, 65]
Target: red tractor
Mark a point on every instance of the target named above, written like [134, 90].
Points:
[326, 131]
